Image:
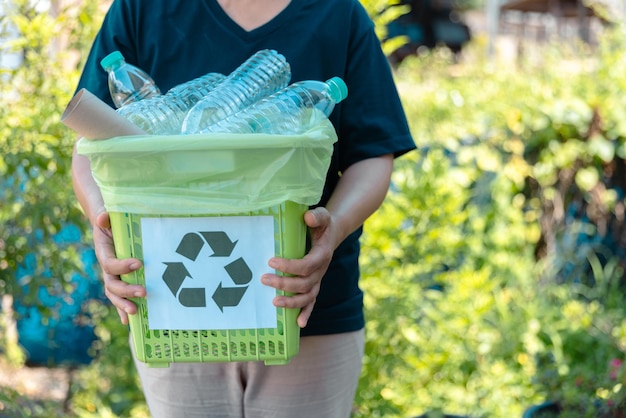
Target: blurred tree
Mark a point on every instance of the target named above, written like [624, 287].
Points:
[48, 41]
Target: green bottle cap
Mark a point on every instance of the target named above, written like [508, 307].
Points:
[337, 89]
[111, 59]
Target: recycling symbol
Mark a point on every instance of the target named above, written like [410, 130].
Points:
[226, 294]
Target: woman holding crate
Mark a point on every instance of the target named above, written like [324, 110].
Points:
[177, 40]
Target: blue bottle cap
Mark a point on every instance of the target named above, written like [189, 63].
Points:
[111, 59]
[337, 89]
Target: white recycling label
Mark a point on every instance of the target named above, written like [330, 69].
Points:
[205, 272]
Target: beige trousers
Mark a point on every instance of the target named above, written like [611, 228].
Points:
[320, 381]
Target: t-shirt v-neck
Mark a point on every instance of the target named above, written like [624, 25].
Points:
[236, 29]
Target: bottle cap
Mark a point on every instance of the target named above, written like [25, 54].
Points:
[111, 59]
[337, 89]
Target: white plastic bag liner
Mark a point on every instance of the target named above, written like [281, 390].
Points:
[212, 173]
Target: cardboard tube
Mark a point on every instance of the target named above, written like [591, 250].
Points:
[93, 119]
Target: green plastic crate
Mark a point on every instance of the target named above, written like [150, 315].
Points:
[159, 348]
[212, 175]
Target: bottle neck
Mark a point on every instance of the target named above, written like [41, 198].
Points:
[114, 66]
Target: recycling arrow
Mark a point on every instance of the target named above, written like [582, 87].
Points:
[190, 246]
[228, 296]
[192, 297]
[220, 243]
[239, 271]
[174, 276]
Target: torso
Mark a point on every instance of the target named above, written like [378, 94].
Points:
[320, 39]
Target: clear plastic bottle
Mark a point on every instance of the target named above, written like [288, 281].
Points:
[292, 110]
[164, 114]
[127, 83]
[262, 74]
[193, 91]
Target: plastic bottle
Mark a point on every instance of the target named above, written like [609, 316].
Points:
[262, 74]
[127, 83]
[164, 114]
[292, 110]
[193, 91]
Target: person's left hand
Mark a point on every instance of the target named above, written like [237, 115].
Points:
[305, 274]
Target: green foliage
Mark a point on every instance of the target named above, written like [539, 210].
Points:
[440, 289]
[109, 387]
[493, 273]
[382, 13]
[12, 404]
[37, 200]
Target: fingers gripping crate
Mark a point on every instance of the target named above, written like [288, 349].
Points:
[214, 184]
[162, 347]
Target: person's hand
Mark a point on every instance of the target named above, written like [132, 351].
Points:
[115, 289]
[306, 273]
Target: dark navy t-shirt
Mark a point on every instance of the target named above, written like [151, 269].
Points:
[178, 40]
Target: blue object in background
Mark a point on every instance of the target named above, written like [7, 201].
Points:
[546, 409]
[59, 332]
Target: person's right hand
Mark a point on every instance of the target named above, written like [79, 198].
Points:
[115, 289]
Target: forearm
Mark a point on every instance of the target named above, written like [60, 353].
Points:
[89, 196]
[85, 188]
[359, 193]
